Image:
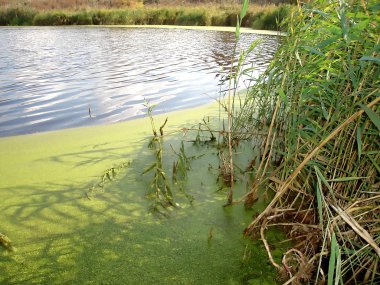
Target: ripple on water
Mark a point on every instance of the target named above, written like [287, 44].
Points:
[51, 76]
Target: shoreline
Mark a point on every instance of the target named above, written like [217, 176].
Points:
[197, 28]
[243, 30]
[257, 17]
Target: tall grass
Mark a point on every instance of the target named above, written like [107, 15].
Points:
[258, 17]
[319, 104]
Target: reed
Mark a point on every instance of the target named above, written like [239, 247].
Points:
[319, 105]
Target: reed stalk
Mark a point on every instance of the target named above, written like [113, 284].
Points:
[319, 105]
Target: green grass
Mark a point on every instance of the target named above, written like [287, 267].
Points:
[258, 17]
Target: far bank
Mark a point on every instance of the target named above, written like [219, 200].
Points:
[258, 17]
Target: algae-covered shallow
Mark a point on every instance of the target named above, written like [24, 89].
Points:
[64, 236]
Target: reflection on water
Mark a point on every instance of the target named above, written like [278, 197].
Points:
[50, 77]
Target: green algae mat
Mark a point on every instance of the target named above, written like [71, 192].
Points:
[66, 232]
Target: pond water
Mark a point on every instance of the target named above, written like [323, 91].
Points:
[53, 77]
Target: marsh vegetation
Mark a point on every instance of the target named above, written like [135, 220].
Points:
[265, 17]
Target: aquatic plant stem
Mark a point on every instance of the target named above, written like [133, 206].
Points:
[229, 114]
[250, 197]
[231, 163]
[231, 98]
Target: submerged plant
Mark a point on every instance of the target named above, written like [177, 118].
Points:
[180, 170]
[160, 183]
[201, 139]
[182, 165]
[108, 176]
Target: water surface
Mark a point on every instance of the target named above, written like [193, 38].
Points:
[51, 77]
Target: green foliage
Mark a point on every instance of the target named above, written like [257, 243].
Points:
[319, 104]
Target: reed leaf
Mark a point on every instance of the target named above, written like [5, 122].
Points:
[332, 261]
[244, 9]
[308, 98]
[375, 118]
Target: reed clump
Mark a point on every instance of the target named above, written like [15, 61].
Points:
[318, 104]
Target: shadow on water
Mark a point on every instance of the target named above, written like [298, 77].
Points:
[88, 157]
[62, 237]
